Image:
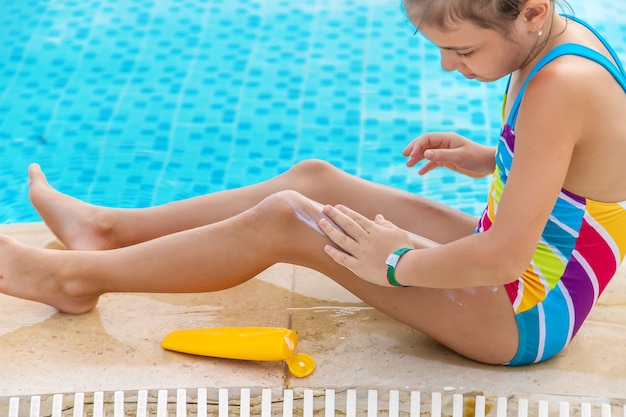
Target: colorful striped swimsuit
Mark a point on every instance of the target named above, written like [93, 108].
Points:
[581, 247]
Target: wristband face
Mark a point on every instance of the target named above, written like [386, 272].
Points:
[391, 262]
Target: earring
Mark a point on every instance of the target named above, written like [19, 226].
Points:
[540, 33]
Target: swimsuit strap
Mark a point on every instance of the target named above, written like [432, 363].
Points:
[618, 71]
[601, 38]
[566, 49]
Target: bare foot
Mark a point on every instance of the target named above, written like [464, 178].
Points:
[78, 225]
[37, 274]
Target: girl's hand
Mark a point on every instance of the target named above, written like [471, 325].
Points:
[363, 244]
[451, 151]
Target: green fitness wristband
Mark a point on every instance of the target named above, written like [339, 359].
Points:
[392, 261]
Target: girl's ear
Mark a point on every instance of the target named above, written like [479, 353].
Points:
[535, 13]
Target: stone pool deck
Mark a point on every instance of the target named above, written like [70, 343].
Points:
[117, 345]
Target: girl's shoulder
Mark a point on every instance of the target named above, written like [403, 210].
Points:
[580, 53]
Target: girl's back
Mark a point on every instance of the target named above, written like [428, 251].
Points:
[594, 104]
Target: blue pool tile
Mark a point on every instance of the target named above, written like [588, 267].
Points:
[139, 103]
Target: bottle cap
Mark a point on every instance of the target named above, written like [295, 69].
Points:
[301, 365]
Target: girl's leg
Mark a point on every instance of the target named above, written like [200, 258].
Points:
[477, 322]
[82, 226]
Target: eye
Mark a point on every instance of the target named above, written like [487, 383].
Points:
[465, 55]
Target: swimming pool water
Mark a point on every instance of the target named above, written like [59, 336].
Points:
[139, 102]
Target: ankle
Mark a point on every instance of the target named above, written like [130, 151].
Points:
[100, 231]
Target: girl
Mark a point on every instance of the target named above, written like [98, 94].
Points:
[512, 287]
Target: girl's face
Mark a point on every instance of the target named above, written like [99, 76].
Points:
[477, 53]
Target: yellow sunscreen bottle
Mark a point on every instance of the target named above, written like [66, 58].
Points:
[248, 343]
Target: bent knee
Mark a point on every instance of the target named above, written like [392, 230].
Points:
[313, 169]
[281, 200]
[290, 207]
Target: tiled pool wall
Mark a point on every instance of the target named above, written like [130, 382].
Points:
[139, 102]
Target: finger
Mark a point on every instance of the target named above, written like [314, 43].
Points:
[412, 145]
[381, 221]
[447, 155]
[429, 166]
[427, 141]
[337, 236]
[342, 258]
[408, 150]
[415, 151]
[419, 149]
[364, 222]
[413, 161]
[439, 158]
[353, 223]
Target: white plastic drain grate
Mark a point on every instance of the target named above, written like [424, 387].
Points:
[247, 402]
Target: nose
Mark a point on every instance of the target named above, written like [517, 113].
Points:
[449, 60]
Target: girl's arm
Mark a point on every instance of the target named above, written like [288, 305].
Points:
[549, 124]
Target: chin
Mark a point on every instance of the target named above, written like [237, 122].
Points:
[488, 79]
